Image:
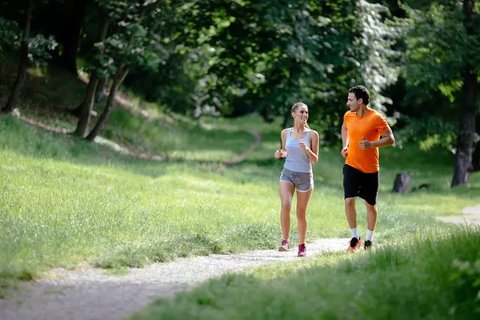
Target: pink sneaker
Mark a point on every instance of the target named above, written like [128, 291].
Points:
[302, 250]
[284, 246]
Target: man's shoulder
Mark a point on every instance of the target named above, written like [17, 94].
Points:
[349, 115]
[376, 113]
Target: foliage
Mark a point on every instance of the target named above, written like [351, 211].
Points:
[380, 66]
[436, 50]
[9, 33]
[40, 48]
[437, 47]
[239, 57]
[466, 277]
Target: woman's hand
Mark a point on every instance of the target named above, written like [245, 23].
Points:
[304, 147]
[280, 153]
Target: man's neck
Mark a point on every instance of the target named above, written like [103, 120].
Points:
[362, 110]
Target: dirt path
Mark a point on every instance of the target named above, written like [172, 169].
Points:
[470, 215]
[88, 293]
[246, 152]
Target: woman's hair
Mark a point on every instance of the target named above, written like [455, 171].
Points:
[298, 105]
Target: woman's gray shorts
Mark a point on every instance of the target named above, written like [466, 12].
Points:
[303, 181]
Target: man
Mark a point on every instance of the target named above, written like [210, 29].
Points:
[364, 130]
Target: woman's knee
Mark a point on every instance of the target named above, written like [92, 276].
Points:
[286, 204]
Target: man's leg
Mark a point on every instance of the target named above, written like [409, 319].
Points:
[371, 223]
[369, 194]
[351, 212]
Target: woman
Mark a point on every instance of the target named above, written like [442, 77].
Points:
[300, 148]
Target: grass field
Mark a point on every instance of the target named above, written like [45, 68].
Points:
[64, 202]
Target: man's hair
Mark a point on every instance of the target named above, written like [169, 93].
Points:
[361, 92]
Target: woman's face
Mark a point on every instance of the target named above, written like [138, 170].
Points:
[300, 114]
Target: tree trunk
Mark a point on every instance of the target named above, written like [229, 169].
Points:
[69, 38]
[117, 80]
[22, 62]
[86, 108]
[466, 136]
[100, 89]
[400, 185]
[476, 158]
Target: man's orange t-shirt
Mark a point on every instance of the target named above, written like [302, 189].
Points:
[370, 126]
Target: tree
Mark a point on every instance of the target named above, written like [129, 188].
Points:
[97, 73]
[64, 19]
[442, 62]
[466, 136]
[32, 50]
[132, 44]
[22, 61]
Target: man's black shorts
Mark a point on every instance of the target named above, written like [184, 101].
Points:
[360, 184]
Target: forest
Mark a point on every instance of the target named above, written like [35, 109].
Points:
[227, 58]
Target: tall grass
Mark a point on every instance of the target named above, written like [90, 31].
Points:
[429, 277]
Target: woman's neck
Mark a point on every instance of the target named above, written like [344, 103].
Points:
[299, 128]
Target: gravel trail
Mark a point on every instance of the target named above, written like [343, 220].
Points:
[88, 293]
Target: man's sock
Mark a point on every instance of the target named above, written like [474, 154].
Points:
[369, 235]
[355, 233]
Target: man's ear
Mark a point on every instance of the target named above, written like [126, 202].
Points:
[360, 101]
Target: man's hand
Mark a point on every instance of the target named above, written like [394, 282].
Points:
[365, 144]
[344, 152]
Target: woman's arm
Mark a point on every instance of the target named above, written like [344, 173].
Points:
[282, 153]
[312, 150]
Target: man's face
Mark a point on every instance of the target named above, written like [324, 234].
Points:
[352, 102]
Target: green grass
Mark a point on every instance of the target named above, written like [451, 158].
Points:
[64, 201]
[427, 277]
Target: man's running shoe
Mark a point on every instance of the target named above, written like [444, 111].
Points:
[367, 245]
[284, 246]
[302, 250]
[354, 245]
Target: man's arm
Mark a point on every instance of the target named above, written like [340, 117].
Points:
[386, 139]
[344, 151]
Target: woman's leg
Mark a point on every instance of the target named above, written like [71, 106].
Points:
[286, 195]
[302, 202]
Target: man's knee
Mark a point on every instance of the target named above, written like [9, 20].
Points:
[350, 202]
